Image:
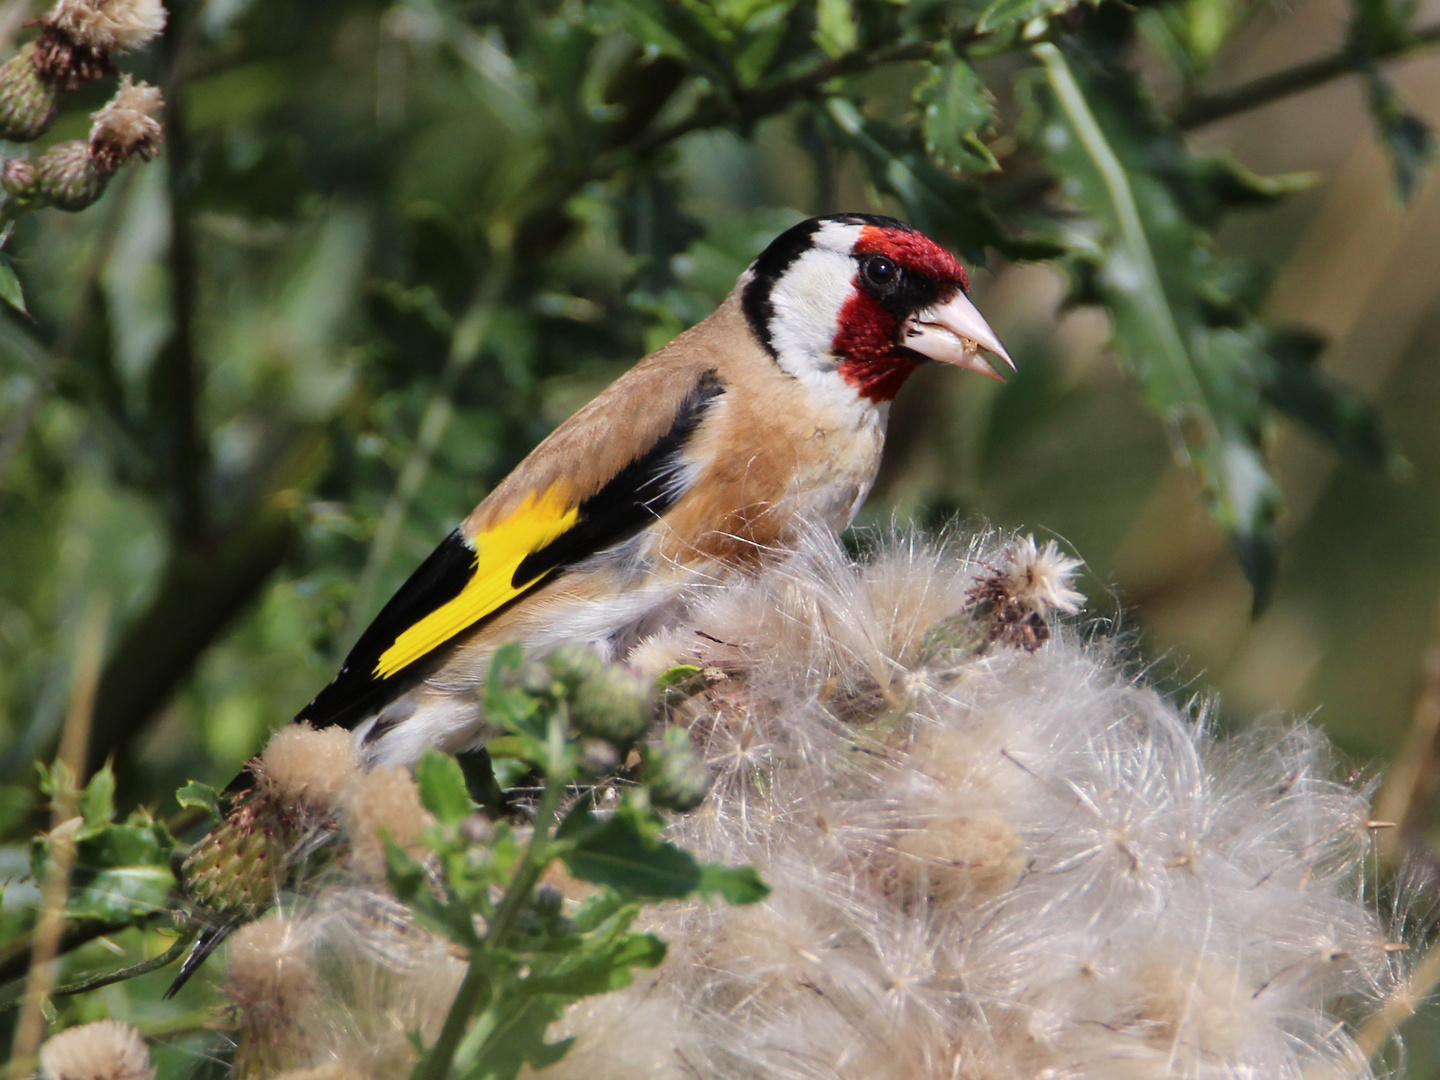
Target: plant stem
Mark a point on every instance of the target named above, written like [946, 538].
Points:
[475, 988]
[1208, 108]
[144, 967]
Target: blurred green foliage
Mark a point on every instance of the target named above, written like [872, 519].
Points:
[390, 245]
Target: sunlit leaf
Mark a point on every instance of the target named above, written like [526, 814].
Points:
[442, 788]
[835, 29]
[510, 1035]
[202, 796]
[955, 108]
[615, 853]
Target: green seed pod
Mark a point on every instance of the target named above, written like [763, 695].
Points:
[66, 177]
[572, 664]
[675, 774]
[613, 704]
[27, 102]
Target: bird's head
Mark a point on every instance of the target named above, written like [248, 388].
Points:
[863, 300]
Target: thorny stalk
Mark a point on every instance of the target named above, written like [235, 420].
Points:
[94, 982]
[475, 990]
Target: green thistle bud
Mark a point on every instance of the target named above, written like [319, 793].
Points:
[573, 664]
[232, 872]
[675, 774]
[613, 704]
[27, 101]
[17, 177]
[66, 177]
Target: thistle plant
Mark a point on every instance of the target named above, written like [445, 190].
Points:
[986, 850]
[78, 39]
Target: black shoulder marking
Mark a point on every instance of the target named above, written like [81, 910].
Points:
[635, 496]
[356, 692]
[776, 259]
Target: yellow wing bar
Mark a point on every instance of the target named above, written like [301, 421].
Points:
[498, 554]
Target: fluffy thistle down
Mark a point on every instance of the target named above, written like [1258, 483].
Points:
[104, 1050]
[127, 126]
[77, 37]
[993, 855]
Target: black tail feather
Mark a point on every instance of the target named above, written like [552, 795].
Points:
[209, 940]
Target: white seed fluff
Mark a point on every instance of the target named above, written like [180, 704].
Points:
[986, 862]
[109, 25]
[104, 1050]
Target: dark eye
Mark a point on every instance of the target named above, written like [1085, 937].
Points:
[881, 271]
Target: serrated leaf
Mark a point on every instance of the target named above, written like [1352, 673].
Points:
[954, 108]
[510, 1035]
[1408, 138]
[1380, 26]
[1009, 14]
[680, 31]
[735, 884]
[203, 796]
[122, 893]
[953, 211]
[1199, 380]
[835, 29]
[97, 801]
[442, 788]
[449, 915]
[615, 853]
[1292, 384]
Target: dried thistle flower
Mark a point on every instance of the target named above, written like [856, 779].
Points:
[1028, 586]
[383, 802]
[271, 980]
[127, 126]
[77, 37]
[104, 1050]
[236, 870]
[996, 863]
[311, 768]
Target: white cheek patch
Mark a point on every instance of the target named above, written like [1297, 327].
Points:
[807, 300]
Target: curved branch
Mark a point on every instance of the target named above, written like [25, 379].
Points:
[1208, 108]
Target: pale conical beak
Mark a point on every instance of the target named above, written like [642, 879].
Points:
[954, 333]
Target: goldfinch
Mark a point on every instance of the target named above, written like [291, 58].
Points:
[701, 461]
[705, 459]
